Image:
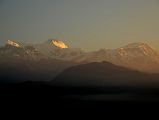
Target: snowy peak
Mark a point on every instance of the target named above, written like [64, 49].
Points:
[138, 49]
[13, 43]
[57, 49]
[136, 45]
[57, 43]
[15, 50]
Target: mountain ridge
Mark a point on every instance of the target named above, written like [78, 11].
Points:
[139, 56]
[104, 74]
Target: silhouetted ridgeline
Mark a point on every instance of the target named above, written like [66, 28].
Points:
[104, 74]
[20, 70]
[89, 82]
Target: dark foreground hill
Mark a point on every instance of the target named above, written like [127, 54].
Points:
[89, 83]
[20, 70]
[104, 74]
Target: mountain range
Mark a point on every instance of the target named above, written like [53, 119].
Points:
[138, 56]
[53, 56]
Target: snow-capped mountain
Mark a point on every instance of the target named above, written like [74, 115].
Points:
[13, 49]
[59, 44]
[138, 49]
[138, 56]
[50, 49]
[29, 63]
[57, 49]
[13, 43]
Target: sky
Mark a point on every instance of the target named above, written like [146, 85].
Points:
[87, 24]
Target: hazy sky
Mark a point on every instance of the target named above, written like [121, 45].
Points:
[88, 24]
